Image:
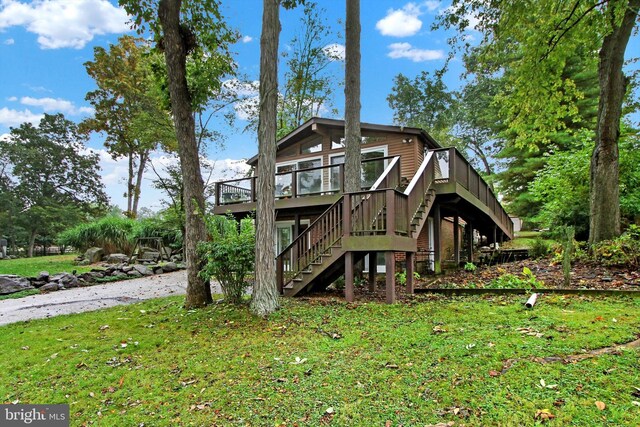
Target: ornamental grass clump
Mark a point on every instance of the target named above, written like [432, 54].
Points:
[229, 256]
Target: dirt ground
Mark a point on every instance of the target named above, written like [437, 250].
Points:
[583, 276]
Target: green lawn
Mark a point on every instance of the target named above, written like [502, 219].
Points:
[28, 267]
[320, 362]
[525, 240]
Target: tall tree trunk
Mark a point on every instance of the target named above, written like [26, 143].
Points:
[175, 53]
[144, 156]
[265, 291]
[605, 191]
[130, 187]
[32, 243]
[352, 99]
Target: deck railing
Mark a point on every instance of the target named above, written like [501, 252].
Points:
[318, 180]
[450, 164]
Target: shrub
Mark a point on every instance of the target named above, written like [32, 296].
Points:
[526, 280]
[622, 251]
[229, 256]
[539, 249]
[471, 267]
[111, 233]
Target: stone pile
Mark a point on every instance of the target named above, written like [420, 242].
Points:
[45, 282]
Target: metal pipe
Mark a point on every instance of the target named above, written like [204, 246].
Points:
[531, 301]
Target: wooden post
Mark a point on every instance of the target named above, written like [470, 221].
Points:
[456, 240]
[452, 164]
[390, 261]
[470, 242]
[373, 270]
[495, 239]
[280, 275]
[437, 247]
[346, 215]
[294, 184]
[410, 269]
[391, 213]
[349, 293]
[253, 188]
[341, 178]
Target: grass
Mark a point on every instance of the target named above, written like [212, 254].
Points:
[525, 240]
[20, 294]
[29, 267]
[424, 362]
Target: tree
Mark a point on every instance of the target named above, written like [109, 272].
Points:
[352, 134]
[536, 47]
[265, 293]
[191, 29]
[128, 109]
[51, 183]
[308, 81]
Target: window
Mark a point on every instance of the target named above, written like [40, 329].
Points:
[337, 141]
[313, 146]
[371, 170]
[307, 182]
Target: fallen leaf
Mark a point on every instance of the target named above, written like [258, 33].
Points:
[121, 382]
[391, 366]
[600, 405]
[104, 327]
[635, 402]
[388, 423]
[330, 410]
[494, 373]
[544, 415]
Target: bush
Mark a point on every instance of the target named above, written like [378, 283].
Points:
[527, 280]
[230, 255]
[111, 233]
[622, 251]
[470, 267]
[539, 249]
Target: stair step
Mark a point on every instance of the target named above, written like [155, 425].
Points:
[296, 279]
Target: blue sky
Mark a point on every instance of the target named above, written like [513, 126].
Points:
[44, 43]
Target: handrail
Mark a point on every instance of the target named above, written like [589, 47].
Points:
[386, 172]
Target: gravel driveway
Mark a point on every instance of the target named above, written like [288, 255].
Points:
[90, 298]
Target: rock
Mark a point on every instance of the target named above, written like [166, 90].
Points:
[127, 268]
[159, 270]
[51, 287]
[43, 276]
[150, 255]
[176, 258]
[38, 283]
[134, 273]
[87, 277]
[94, 254]
[82, 262]
[169, 267]
[143, 269]
[10, 284]
[117, 258]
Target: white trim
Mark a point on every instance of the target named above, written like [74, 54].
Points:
[363, 150]
[419, 173]
[298, 160]
[385, 172]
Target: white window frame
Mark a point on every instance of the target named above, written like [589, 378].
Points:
[303, 159]
[385, 149]
[290, 224]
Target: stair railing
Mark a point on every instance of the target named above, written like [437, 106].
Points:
[420, 186]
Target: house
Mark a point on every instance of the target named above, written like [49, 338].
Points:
[414, 194]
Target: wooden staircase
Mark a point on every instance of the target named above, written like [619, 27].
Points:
[316, 257]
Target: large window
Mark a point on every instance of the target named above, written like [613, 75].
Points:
[371, 170]
[307, 181]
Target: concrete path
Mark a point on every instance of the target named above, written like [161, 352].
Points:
[90, 298]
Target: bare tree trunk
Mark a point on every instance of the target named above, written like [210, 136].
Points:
[130, 187]
[605, 190]
[144, 156]
[265, 291]
[175, 53]
[352, 99]
[32, 243]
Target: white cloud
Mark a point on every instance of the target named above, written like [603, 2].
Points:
[14, 118]
[115, 172]
[51, 105]
[247, 39]
[241, 88]
[9, 42]
[401, 22]
[12, 98]
[405, 50]
[64, 23]
[431, 5]
[335, 51]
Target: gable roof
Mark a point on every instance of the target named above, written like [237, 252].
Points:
[315, 125]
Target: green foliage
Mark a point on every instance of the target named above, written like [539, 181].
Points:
[401, 277]
[230, 255]
[48, 180]
[20, 294]
[539, 249]
[118, 234]
[526, 280]
[471, 267]
[622, 251]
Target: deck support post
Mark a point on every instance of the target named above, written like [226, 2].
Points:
[495, 238]
[349, 293]
[373, 270]
[469, 242]
[390, 273]
[437, 246]
[410, 269]
[456, 240]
